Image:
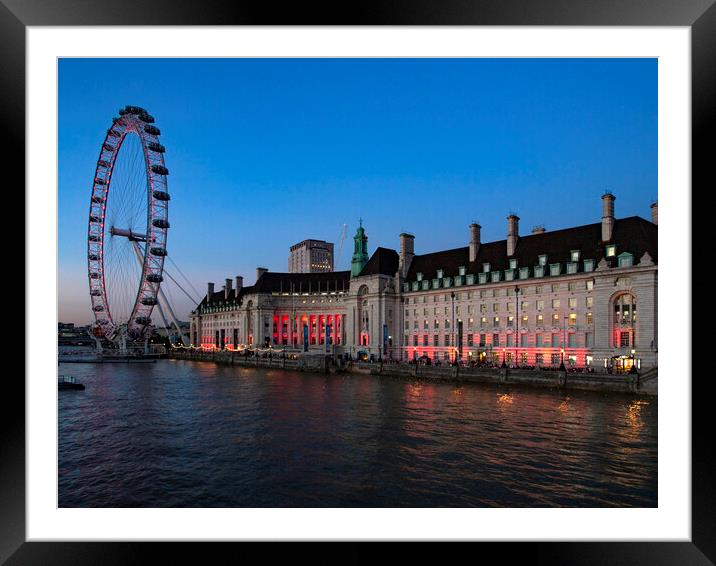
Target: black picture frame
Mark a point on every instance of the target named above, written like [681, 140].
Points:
[699, 15]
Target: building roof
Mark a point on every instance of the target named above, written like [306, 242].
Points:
[274, 282]
[634, 235]
[384, 261]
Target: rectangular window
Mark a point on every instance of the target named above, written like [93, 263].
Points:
[572, 340]
[588, 265]
[555, 318]
[574, 254]
[509, 341]
[590, 284]
[496, 322]
[510, 321]
[540, 320]
[495, 340]
[461, 270]
[447, 339]
[589, 340]
[539, 359]
[539, 271]
[440, 274]
[542, 260]
[483, 321]
[571, 268]
[538, 340]
[523, 340]
[425, 339]
[611, 251]
[555, 303]
[572, 319]
[415, 340]
[485, 267]
[624, 340]
[589, 318]
[572, 303]
[482, 278]
[483, 338]
[571, 286]
[495, 276]
[540, 304]
[469, 340]
[513, 264]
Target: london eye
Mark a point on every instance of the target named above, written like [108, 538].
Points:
[128, 227]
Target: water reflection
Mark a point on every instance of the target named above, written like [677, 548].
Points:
[194, 434]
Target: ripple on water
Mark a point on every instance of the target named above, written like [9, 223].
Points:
[188, 434]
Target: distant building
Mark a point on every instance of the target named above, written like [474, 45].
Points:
[311, 256]
[541, 299]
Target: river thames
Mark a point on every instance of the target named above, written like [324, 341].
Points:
[194, 434]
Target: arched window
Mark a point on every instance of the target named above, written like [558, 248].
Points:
[624, 320]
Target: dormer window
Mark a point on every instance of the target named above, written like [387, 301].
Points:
[461, 270]
[626, 260]
[440, 273]
[419, 276]
[539, 271]
[486, 268]
[574, 255]
[513, 264]
[588, 265]
[482, 278]
[543, 260]
[611, 250]
[524, 272]
[554, 269]
[572, 267]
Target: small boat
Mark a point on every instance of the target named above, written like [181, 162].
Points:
[68, 382]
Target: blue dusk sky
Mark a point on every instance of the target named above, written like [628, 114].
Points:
[264, 153]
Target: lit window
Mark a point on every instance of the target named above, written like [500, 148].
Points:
[419, 276]
[461, 270]
[574, 255]
[485, 267]
[513, 264]
[611, 250]
[543, 260]
[440, 273]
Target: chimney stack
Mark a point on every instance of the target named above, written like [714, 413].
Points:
[474, 240]
[538, 230]
[407, 252]
[209, 291]
[227, 289]
[607, 216]
[260, 271]
[655, 212]
[239, 283]
[513, 233]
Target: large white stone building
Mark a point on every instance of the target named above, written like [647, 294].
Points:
[585, 296]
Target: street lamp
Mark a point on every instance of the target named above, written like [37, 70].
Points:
[517, 327]
[452, 297]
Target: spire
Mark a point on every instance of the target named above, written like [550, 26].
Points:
[360, 250]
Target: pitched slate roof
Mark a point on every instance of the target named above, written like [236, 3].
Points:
[271, 282]
[634, 235]
[384, 261]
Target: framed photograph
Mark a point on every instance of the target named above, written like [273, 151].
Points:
[388, 278]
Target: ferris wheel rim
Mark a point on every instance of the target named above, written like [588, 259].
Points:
[132, 120]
